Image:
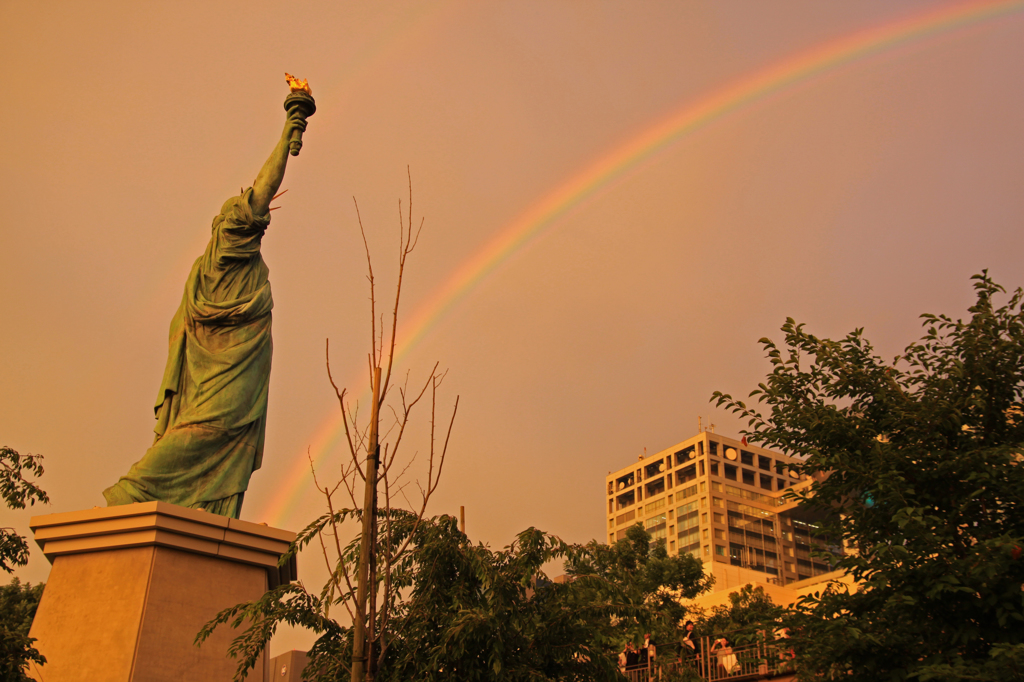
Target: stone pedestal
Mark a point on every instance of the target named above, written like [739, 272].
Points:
[132, 585]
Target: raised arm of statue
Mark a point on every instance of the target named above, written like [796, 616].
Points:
[270, 177]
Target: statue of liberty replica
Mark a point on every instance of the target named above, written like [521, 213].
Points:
[211, 409]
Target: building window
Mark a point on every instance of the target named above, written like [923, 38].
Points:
[747, 458]
[654, 506]
[751, 495]
[686, 474]
[717, 501]
[653, 469]
[719, 518]
[656, 527]
[719, 550]
[684, 455]
[783, 483]
[766, 482]
[655, 487]
[700, 467]
[730, 472]
[707, 551]
[712, 447]
[764, 463]
[713, 466]
[703, 487]
[704, 518]
[719, 534]
[748, 477]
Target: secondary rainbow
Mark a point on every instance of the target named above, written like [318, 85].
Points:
[629, 157]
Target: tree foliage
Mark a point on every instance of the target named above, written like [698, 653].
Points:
[750, 614]
[18, 603]
[18, 492]
[632, 571]
[917, 464]
[465, 612]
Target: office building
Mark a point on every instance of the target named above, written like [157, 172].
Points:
[721, 501]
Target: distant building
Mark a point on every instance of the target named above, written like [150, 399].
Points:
[288, 666]
[721, 501]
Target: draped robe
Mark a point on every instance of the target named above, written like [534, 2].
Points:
[212, 405]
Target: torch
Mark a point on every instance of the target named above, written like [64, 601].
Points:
[301, 98]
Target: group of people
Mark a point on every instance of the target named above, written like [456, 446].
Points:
[721, 652]
[635, 658]
[721, 659]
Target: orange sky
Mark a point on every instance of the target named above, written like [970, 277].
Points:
[860, 198]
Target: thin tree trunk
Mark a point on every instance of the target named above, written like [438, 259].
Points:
[361, 646]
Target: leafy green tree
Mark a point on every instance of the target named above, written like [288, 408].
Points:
[634, 572]
[750, 614]
[18, 492]
[466, 612]
[478, 614]
[18, 603]
[917, 463]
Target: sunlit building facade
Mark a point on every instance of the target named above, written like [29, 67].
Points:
[721, 501]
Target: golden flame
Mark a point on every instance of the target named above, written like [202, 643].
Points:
[297, 85]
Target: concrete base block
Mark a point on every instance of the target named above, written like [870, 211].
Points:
[131, 586]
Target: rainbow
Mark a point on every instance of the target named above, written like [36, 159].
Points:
[630, 156]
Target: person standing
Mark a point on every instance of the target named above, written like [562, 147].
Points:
[632, 657]
[727, 662]
[648, 652]
[690, 651]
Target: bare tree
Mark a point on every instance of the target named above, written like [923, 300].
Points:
[376, 468]
[361, 571]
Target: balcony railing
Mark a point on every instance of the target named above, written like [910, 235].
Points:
[747, 662]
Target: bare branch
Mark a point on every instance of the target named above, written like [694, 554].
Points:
[344, 416]
[406, 246]
[373, 298]
[333, 569]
